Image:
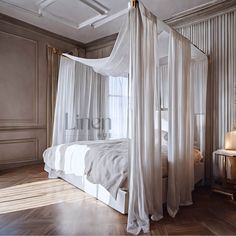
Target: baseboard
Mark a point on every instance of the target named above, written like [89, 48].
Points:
[15, 165]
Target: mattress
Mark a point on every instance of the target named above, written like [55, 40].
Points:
[71, 159]
[104, 162]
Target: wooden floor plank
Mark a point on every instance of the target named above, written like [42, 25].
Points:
[31, 204]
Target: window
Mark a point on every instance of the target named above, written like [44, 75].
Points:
[118, 106]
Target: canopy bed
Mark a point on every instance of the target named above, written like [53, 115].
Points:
[153, 86]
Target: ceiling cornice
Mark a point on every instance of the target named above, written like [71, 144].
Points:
[201, 13]
[20, 23]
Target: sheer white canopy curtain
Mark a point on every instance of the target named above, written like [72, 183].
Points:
[78, 106]
[199, 71]
[180, 135]
[145, 181]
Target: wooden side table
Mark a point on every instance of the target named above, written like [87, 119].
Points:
[226, 187]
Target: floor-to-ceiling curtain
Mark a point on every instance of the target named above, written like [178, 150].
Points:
[78, 105]
[180, 113]
[53, 60]
[145, 188]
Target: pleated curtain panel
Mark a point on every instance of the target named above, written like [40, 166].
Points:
[145, 181]
[82, 89]
[53, 61]
[180, 135]
[199, 72]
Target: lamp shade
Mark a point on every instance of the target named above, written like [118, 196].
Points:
[230, 140]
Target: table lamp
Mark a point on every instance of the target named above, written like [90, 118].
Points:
[230, 140]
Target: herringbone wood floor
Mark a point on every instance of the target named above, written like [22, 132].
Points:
[30, 204]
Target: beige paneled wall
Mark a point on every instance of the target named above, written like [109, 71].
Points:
[23, 91]
[216, 36]
[100, 48]
[99, 52]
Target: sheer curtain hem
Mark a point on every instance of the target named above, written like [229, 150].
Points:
[137, 228]
[156, 217]
[171, 212]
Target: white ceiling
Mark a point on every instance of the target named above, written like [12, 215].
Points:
[87, 20]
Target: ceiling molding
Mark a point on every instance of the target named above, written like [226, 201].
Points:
[201, 13]
[70, 23]
[96, 6]
[20, 8]
[109, 18]
[43, 5]
[91, 21]
[100, 9]
[93, 4]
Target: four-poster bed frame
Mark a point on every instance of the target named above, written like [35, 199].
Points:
[96, 190]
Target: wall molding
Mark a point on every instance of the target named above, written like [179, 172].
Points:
[34, 141]
[20, 153]
[202, 13]
[35, 98]
[20, 128]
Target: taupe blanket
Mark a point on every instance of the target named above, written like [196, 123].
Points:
[107, 164]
